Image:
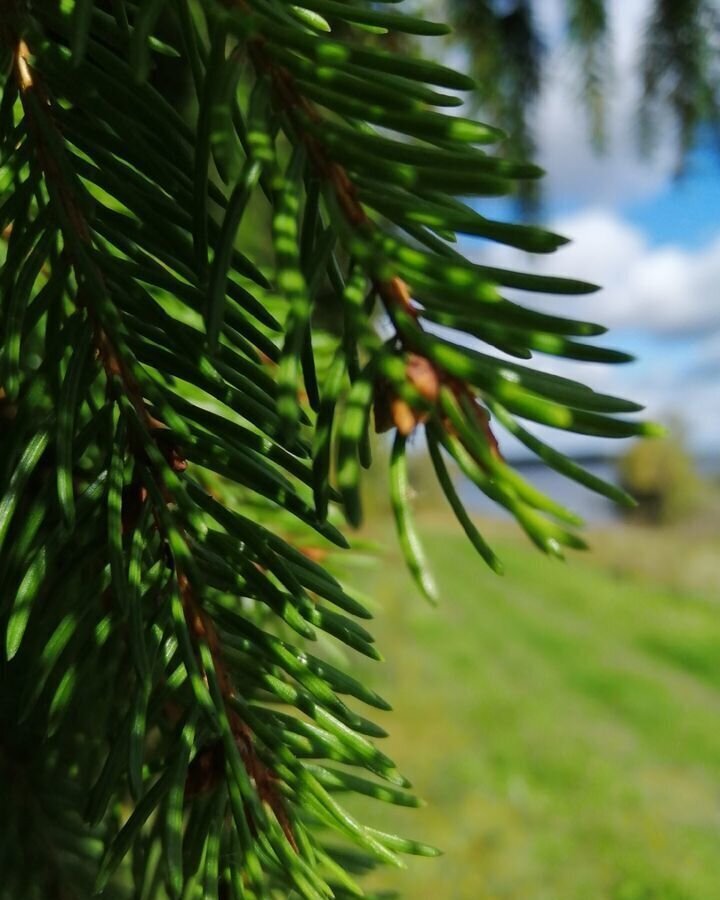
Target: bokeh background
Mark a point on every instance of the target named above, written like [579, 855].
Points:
[563, 722]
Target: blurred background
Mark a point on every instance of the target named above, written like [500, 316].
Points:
[563, 722]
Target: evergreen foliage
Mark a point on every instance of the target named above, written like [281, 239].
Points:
[181, 430]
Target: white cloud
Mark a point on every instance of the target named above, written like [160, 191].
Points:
[665, 290]
[663, 303]
[675, 290]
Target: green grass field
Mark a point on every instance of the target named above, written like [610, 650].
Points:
[562, 722]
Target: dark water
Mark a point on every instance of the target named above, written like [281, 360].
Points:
[592, 507]
[596, 510]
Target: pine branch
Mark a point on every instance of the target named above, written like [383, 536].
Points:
[392, 290]
[48, 141]
[185, 429]
[77, 233]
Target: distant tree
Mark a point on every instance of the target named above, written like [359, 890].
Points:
[179, 433]
[664, 480]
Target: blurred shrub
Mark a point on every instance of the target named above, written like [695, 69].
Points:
[662, 477]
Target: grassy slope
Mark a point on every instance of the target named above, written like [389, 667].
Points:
[563, 724]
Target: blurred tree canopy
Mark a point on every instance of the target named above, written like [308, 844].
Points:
[679, 65]
[663, 478]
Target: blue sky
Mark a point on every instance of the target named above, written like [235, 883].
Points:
[683, 211]
[686, 211]
[652, 240]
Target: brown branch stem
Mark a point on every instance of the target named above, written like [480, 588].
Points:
[117, 369]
